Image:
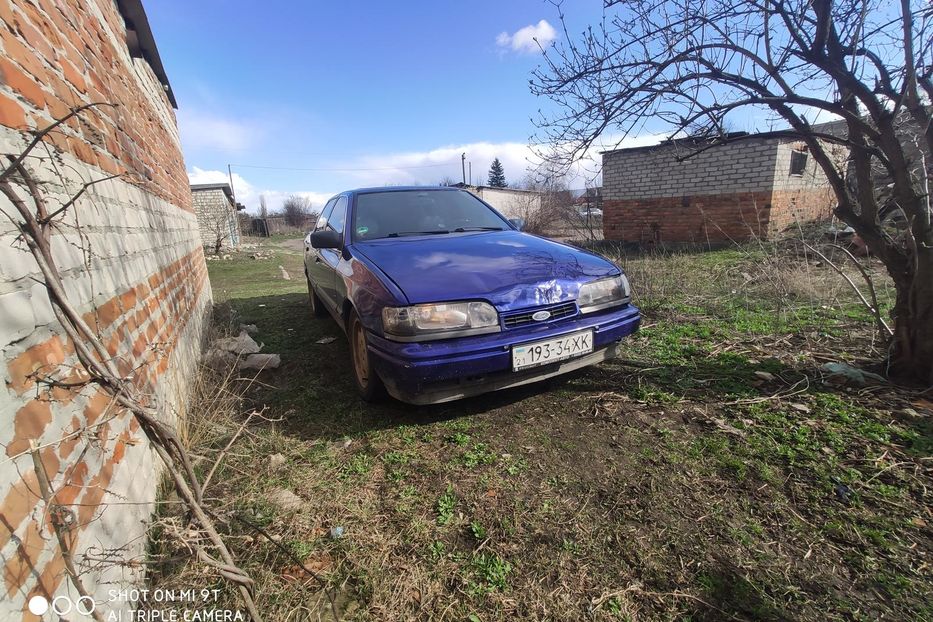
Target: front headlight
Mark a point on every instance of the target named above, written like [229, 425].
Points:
[603, 294]
[439, 321]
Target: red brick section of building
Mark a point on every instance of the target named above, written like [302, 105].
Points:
[752, 188]
[130, 256]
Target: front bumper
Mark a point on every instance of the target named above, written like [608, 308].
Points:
[440, 371]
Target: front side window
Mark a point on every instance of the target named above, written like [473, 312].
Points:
[325, 214]
[421, 212]
[338, 217]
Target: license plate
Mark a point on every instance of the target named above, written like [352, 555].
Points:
[551, 350]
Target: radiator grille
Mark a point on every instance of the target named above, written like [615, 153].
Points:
[523, 317]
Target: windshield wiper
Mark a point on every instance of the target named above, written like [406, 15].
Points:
[465, 229]
[399, 234]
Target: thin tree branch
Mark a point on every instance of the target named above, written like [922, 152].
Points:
[871, 306]
[52, 508]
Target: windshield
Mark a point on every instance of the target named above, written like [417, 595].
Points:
[421, 212]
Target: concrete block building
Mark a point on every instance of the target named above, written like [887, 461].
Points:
[129, 253]
[217, 215]
[753, 187]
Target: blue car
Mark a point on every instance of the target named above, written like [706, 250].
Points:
[442, 297]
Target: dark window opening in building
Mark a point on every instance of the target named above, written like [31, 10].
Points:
[798, 162]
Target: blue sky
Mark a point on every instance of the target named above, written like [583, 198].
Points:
[353, 85]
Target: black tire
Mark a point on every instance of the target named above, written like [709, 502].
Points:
[367, 381]
[317, 307]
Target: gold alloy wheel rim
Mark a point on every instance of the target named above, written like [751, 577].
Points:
[360, 361]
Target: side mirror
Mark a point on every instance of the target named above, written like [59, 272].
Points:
[326, 239]
[518, 223]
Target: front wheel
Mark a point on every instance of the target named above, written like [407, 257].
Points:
[368, 383]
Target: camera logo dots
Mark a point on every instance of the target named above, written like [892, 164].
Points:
[38, 605]
[62, 605]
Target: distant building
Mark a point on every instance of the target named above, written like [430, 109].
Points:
[510, 202]
[752, 187]
[217, 215]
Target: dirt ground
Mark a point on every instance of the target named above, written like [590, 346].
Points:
[715, 472]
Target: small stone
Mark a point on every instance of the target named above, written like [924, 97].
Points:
[277, 461]
[260, 362]
[765, 375]
[326, 340]
[800, 407]
[215, 358]
[241, 344]
[284, 499]
[342, 444]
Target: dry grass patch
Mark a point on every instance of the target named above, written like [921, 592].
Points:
[675, 484]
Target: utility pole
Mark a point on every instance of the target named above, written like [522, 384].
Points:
[463, 167]
[471, 172]
[232, 191]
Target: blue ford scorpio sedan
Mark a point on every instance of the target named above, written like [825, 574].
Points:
[442, 297]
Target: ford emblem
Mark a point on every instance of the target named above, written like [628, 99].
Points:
[540, 316]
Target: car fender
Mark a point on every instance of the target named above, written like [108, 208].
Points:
[367, 290]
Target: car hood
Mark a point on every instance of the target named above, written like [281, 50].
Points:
[510, 269]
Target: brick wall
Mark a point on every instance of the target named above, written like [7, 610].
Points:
[216, 216]
[131, 260]
[730, 193]
[706, 220]
[800, 198]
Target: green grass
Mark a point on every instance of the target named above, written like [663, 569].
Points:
[488, 572]
[445, 506]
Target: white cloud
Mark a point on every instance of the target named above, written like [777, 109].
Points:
[424, 168]
[248, 194]
[528, 40]
[200, 129]
[519, 160]
[429, 167]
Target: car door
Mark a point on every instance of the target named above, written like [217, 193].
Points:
[315, 267]
[330, 257]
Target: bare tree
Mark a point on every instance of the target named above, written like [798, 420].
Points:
[263, 208]
[219, 223]
[694, 64]
[546, 206]
[297, 210]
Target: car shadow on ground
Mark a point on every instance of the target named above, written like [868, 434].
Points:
[313, 389]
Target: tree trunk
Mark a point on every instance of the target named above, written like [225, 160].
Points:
[912, 352]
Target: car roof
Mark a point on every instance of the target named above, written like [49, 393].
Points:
[398, 189]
